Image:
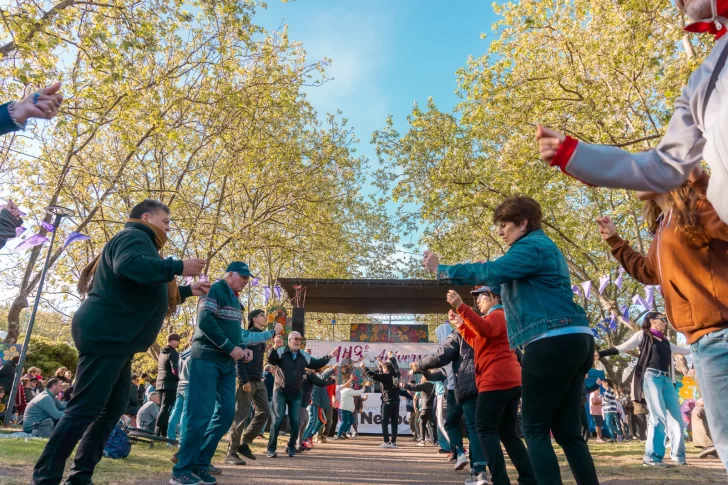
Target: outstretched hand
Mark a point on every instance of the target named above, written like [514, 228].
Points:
[549, 142]
[454, 299]
[607, 228]
[43, 103]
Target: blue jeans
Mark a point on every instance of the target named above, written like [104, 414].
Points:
[612, 420]
[314, 423]
[442, 437]
[710, 356]
[664, 407]
[175, 416]
[210, 409]
[347, 419]
[452, 423]
[475, 451]
[280, 401]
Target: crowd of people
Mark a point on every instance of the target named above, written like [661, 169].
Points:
[514, 362]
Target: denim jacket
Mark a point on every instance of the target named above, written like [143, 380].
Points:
[535, 287]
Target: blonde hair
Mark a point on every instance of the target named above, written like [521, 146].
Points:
[684, 201]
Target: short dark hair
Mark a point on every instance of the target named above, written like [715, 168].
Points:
[134, 376]
[518, 209]
[144, 374]
[174, 336]
[146, 206]
[646, 320]
[52, 382]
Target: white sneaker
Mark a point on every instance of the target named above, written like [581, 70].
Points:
[420, 443]
[479, 479]
[461, 461]
[385, 445]
[336, 437]
[393, 445]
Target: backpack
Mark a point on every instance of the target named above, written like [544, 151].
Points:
[118, 445]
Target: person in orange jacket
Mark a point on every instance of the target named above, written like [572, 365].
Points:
[498, 377]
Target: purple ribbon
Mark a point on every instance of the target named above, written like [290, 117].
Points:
[638, 300]
[625, 312]
[618, 282]
[255, 282]
[47, 226]
[31, 242]
[596, 334]
[650, 295]
[266, 293]
[575, 289]
[587, 288]
[73, 237]
[612, 322]
[603, 282]
[277, 292]
[19, 230]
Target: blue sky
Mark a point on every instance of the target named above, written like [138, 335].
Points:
[385, 54]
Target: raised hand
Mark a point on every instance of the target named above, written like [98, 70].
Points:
[200, 288]
[335, 351]
[43, 103]
[607, 228]
[193, 267]
[431, 261]
[549, 142]
[454, 299]
[278, 329]
[413, 367]
[10, 206]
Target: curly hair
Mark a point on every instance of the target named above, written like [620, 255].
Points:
[684, 201]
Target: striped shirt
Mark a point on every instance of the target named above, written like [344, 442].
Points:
[609, 401]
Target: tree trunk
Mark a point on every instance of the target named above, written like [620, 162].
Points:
[19, 303]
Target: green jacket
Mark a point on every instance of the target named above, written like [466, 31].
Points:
[219, 324]
[8, 223]
[126, 306]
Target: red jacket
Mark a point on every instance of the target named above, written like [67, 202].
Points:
[496, 365]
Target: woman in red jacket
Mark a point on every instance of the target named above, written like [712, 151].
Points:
[498, 376]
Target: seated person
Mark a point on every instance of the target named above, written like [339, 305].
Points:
[147, 415]
[44, 411]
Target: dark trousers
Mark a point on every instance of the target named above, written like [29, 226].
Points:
[331, 425]
[426, 425]
[168, 397]
[452, 423]
[639, 426]
[390, 416]
[553, 371]
[496, 422]
[328, 415]
[281, 402]
[100, 397]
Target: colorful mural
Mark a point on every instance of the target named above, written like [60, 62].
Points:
[8, 351]
[367, 332]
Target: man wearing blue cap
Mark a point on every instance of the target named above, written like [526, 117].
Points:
[217, 343]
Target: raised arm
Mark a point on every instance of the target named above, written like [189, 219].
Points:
[490, 326]
[445, 355]
[634, 342]
[129, 260]
[638, 266]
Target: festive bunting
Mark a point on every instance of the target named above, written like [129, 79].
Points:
[625, 312]
[73, 237]
[587, 288]
[266, 293]
[277, 292]
[31, 242]
[650, 295]
[188, 281]
[612, 322]
[618, 282]
[596, 334]
[603, 282]
[47, 226]
[255, 282]
[19, 230]
[638, 300]
[575, 289]
[602, 327]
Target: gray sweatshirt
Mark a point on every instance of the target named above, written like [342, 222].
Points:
[43, 406]
[689, 138]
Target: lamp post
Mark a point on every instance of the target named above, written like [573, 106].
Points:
[59, 213]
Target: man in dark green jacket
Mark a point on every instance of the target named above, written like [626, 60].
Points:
[9, 221]
[132, 290]
[218, 342]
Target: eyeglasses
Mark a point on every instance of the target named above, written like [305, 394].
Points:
[298, 339]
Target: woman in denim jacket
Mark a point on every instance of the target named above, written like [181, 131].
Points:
[541, 316]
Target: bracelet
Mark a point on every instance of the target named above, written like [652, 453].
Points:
[11, 105]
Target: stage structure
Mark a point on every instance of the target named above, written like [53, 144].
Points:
[371, 297]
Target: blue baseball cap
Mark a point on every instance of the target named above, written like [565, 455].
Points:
[238, 267]
[486, 289]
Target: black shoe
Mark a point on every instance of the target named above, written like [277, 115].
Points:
[246, 451]
[300, 449]
[452, 457]
[213, 470]
[291, 452]
[442, 452]
[234, 460]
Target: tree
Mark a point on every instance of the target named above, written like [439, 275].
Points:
[205, 112]
[601, 70]
[49, 356]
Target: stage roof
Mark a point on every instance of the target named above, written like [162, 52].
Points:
[368, 296]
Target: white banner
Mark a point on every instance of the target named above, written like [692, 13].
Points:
[370, 419]
[405, 352]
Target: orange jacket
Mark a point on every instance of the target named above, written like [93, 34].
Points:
[693, 275]
[496, 365]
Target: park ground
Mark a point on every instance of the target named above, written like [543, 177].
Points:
[355, 462]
